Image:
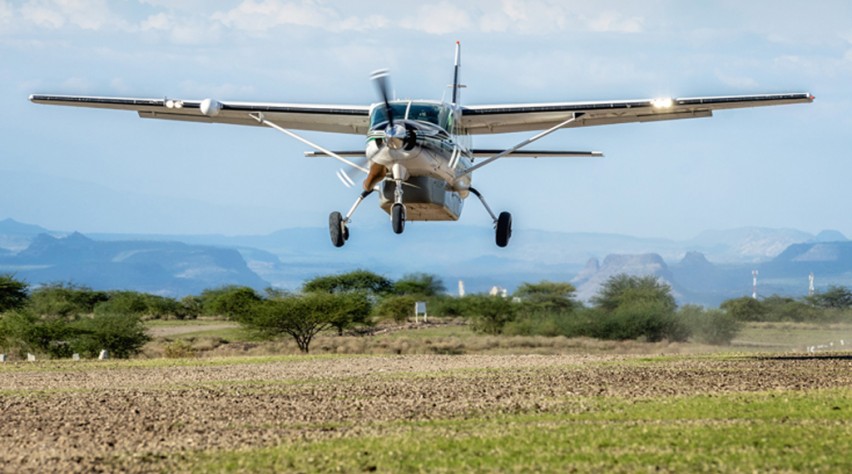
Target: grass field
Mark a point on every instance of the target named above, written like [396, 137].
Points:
[436, 413]
[442, 336]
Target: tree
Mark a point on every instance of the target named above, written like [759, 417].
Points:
[836, 297]
[744, 309]
[711, 326]
[547, 296]
[630, 307]
[624, 289]
[358, 280]
[122, 335]
[422, 284]
[303, 317]
[233, 302]
[13, 293]
[65, 300]
[490, 313]
[397, 307]
[145, 305]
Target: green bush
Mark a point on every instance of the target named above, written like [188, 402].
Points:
[304, 316]
[489, 314]
[179, 349]
[711, 326]
[24, 331]
[145, 305]
[397, 307]
[123, 335]
[546, 297]
[13, 293]
[233, 302]
[549, 324]
[65, 300]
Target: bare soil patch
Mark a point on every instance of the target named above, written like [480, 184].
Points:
[90, 417]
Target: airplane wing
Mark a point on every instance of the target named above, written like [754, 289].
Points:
[324, 118]
[485, 119]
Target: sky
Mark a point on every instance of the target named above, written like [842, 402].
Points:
[110, 171]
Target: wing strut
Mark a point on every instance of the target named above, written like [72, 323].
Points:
[524, 143]
[261, 119]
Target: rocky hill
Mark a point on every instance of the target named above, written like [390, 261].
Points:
[166, 268]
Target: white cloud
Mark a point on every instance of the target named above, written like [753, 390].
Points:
[195, 89]
[611, 22]
[439, 19]
[737, 81]
[83, 14]
[251, 15]
[160, 21]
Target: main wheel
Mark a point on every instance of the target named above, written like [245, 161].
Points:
[336, 230]
[504, 229]
[398, 218]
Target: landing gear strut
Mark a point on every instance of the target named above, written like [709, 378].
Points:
[502, 224]
[398, 208]
[338, 225]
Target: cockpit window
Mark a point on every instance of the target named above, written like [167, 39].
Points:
[380, 116]
[423, 112]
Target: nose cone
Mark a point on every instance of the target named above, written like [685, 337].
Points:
[395, 136]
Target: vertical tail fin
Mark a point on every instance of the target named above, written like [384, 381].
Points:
[456, 84]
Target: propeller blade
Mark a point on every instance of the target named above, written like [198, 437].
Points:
[381, 79]
[347, 175]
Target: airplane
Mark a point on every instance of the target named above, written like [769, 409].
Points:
[418, 153]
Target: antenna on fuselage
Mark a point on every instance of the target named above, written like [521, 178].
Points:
[456, 85]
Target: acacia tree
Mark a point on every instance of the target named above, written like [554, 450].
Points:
[13, 293]
[630, 307]
[305, 316]
[837, 297]
[547, 296]
[358, 280]
[423, 284]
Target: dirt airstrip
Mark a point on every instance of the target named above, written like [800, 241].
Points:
[90, 417]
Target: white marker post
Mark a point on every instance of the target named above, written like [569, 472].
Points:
[420, 308]
[30, 357]
[104, 355]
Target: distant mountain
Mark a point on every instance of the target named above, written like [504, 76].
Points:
[714, 266]
[830, 236]
[167, 268]
[589, 282]
[16, 236]
[747, 244]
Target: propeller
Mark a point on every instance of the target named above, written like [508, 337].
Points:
[381, 79]
[396, 135]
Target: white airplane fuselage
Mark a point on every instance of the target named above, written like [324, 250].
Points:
[430, 159]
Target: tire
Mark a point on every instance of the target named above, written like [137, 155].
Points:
[336, 229]
[398, 218]
[504, 229]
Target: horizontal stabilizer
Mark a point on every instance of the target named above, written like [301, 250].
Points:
[487, 153]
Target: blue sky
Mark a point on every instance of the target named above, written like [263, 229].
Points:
[109, 171]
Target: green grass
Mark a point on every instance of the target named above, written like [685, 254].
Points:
[66, 365]
[793, 335]
[776, 431]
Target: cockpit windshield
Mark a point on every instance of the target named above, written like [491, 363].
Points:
[421, 111]
[380, 115]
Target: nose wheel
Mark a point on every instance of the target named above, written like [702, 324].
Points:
[398, 218]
